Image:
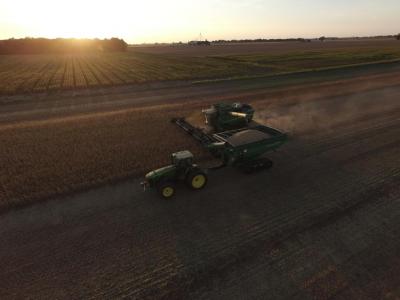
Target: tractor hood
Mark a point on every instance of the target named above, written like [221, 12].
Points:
[160, 172]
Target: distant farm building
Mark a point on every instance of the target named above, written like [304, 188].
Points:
[200, 43]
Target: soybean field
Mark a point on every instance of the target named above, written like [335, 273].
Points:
[21, 74]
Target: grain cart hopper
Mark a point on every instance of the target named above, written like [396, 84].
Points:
[242, 148]
[223, 116]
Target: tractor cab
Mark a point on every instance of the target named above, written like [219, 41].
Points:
[181, 169]
[182, 159]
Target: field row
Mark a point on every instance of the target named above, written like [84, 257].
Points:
[38, 73]
[104, 146]
[218, 246]
[131, 148]
[317, 59]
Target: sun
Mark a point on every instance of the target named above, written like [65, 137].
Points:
[83, 20]
[132, 19]
[72, 19]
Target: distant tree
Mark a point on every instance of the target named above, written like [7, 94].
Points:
[322, 39]
[199, 43]
[398, 37]
[44, 46]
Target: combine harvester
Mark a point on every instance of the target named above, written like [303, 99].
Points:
[234, 141]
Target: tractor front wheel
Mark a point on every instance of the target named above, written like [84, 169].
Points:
[166, 189]
[196, 179]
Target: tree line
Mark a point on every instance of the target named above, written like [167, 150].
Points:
[259, 40]
[322, 39]
[61, 46]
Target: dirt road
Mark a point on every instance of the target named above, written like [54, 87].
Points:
[322, 224]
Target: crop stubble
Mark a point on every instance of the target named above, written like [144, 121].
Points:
[62, 154]
[43, 73]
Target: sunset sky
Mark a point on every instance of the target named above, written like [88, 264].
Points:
[182, 20]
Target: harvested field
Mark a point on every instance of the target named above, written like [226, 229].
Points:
[103, 145]
[21, 74]
[322, 224]
[267, 48]
[95, 148]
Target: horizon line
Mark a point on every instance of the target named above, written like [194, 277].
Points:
[214, 40]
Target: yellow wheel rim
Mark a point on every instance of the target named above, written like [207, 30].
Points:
[168, 192]
[198, 181]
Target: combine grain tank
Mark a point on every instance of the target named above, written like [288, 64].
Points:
[228, 116]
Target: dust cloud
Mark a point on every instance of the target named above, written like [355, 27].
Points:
[311, 113]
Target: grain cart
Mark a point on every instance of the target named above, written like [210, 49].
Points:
[241, 148]
[228, 116]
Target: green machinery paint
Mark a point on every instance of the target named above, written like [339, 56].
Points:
[228, 116]
[182, 168]
[242, 147]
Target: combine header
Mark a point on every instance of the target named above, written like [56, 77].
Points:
[242, 146]
[197, 133]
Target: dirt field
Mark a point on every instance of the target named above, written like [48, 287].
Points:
[322, 224]
[22, 74]
[267, 48]
[111, 137]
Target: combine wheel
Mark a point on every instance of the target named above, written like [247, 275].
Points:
[196, 179]
[166, 189]
[267, 163]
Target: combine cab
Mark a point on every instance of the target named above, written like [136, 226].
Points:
[222, 116]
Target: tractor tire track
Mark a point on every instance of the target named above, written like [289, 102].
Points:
[323, 223]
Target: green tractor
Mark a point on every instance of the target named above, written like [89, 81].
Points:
[181, 169]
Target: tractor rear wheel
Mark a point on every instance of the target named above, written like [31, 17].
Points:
[166, 189]
[196, 179]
